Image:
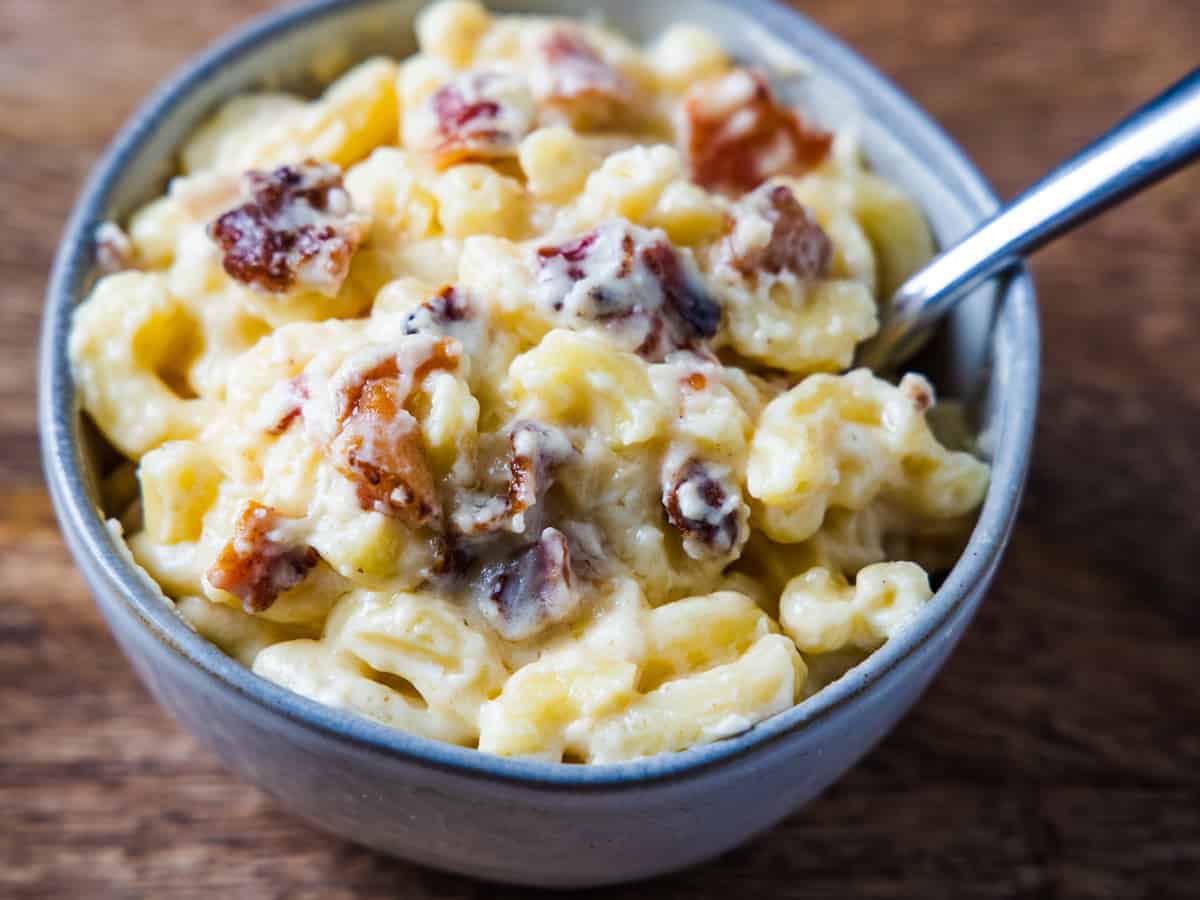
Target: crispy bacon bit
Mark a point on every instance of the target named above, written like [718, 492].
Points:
[654, 345]
[574, 254]
[296, 228]
[706, 508]
[456, 115]
[536, 452]
[576, 78]
[448, 306]
[633, 281]
[407, 368]
[379, 449]
[479, 115]
[114, 250]
[256, 566]
[682, 294]
[450, 313]
[378, 444]
[772, 232]
[289, 403]
[530, 590]
[452, 557]
[736, 134]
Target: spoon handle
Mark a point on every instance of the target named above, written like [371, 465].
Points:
[1150, 144]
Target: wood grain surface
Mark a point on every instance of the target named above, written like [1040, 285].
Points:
[1058, 755]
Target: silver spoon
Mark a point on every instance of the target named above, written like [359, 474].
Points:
[1150, 144]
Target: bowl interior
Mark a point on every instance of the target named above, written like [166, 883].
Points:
[985, 355]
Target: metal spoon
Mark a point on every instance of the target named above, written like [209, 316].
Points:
[1150, 144]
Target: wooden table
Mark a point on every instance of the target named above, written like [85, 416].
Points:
[1057, 755]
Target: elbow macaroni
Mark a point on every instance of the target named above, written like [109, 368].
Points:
[465, 398]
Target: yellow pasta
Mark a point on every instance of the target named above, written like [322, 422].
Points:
[822, 613]
[131, 346]
[556, 162]
[717, 703]
[575, 379]
[179, 483]
[357, 113]
[847, 441]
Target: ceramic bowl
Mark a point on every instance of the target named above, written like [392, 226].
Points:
[457, 809]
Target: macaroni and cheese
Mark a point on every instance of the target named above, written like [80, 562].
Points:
[500, 395]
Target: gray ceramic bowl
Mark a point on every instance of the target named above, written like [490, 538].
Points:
[457, 809]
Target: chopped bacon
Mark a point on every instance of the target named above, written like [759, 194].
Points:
[772, 232]
[378, 445]
[379, 449]
[451, 313]
[634, 282]
[410, 366]
[575, 253]
[479, 115]
[706, 507]
[448, 306]
[296, 228]
[114, 250]
[654, 345]
[682, 294]
[531, 589]
[255, 565]
[536, 452]
[290, 404]
[456, 115]
[452, 557]
[736, 134]
[576, 78]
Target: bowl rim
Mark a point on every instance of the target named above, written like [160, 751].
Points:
[96, 548]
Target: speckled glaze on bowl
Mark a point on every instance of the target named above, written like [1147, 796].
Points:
[457, 809]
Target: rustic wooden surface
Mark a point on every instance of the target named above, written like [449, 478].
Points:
[1058, 755]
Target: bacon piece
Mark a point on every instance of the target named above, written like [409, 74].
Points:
[407, 367]
[772, 232]
[479, 115]
[451, 313]
[379, 449]
[706, 508]
[378, 445]
[536, 452]
[447, 307]
[736, 134]
[575, 77]
[574, 256]
[593, 272]
[682, 294]
[531, 589]
[634, 282]
[287, 402]
[296, 228]
[655, 343]
[255, 565]
[452, 558]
